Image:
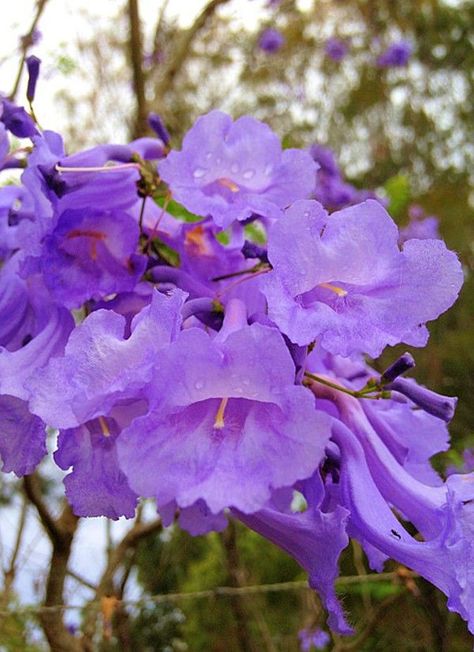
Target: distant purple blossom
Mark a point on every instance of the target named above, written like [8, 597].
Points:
[396, 55]
[336, 49]
[313, 639]
[271, 40]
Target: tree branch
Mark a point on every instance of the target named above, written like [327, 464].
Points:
[105, 587]
[32, 487]
[52, 621]
[136, 57]
[183, 47]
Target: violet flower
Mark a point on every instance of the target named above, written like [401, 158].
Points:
[231, 170]
[344, 280]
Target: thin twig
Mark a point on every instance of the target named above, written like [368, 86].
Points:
[218, 591]
[183, 48]
[26, 44]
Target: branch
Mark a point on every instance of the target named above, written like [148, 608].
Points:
[183, 48]
[236, 578]
[159, 25]
[32, 487]
[105, 587]
[129, 542]
[57, 634]
[136, 57]
[26, 43]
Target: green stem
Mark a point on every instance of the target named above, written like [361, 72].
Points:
[361, 393]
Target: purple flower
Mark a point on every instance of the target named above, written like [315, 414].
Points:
[396, 55]
[231, 170]
[343, 280]
[271, 40]
[311, 639]
[101, 366]
[224, 416]
[96, 486]
[95, 390]
[315, 538]
[17, 120]
[336, 49]
[91, 254]
[22, 437]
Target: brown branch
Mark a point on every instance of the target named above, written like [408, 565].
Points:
[105, 587]
[183, 48]
[61, 534]
[10, 571]
[59, 638]
[32, 487]
[26, 44]
[136, 57]
[158, 28]
[236, 578]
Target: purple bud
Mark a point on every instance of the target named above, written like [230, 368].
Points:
[252, 250]
[156, 123]
[33, 66]
[436, 404]
[399, 367]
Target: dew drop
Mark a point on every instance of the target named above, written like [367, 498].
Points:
[199, 384]
[209, 155]
[248, 174]
[268, 170]
[306, 213]
[199, 173]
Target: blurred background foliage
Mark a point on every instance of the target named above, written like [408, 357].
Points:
[406, 131]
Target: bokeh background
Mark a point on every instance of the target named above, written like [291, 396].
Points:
[404, 131]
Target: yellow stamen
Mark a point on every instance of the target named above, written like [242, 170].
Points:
[219, 422]
[196, 239]
[339, 291]
[104, 426]
[229, 184]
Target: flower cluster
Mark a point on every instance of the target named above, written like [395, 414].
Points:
[216, 363]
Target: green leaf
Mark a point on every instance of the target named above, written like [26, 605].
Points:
[177, 210]
[398, 193]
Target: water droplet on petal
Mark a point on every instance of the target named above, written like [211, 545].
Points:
[268, 170]
[209, 155]
[199, 173]
[306, 213]
[248, 174]
[199, 384]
